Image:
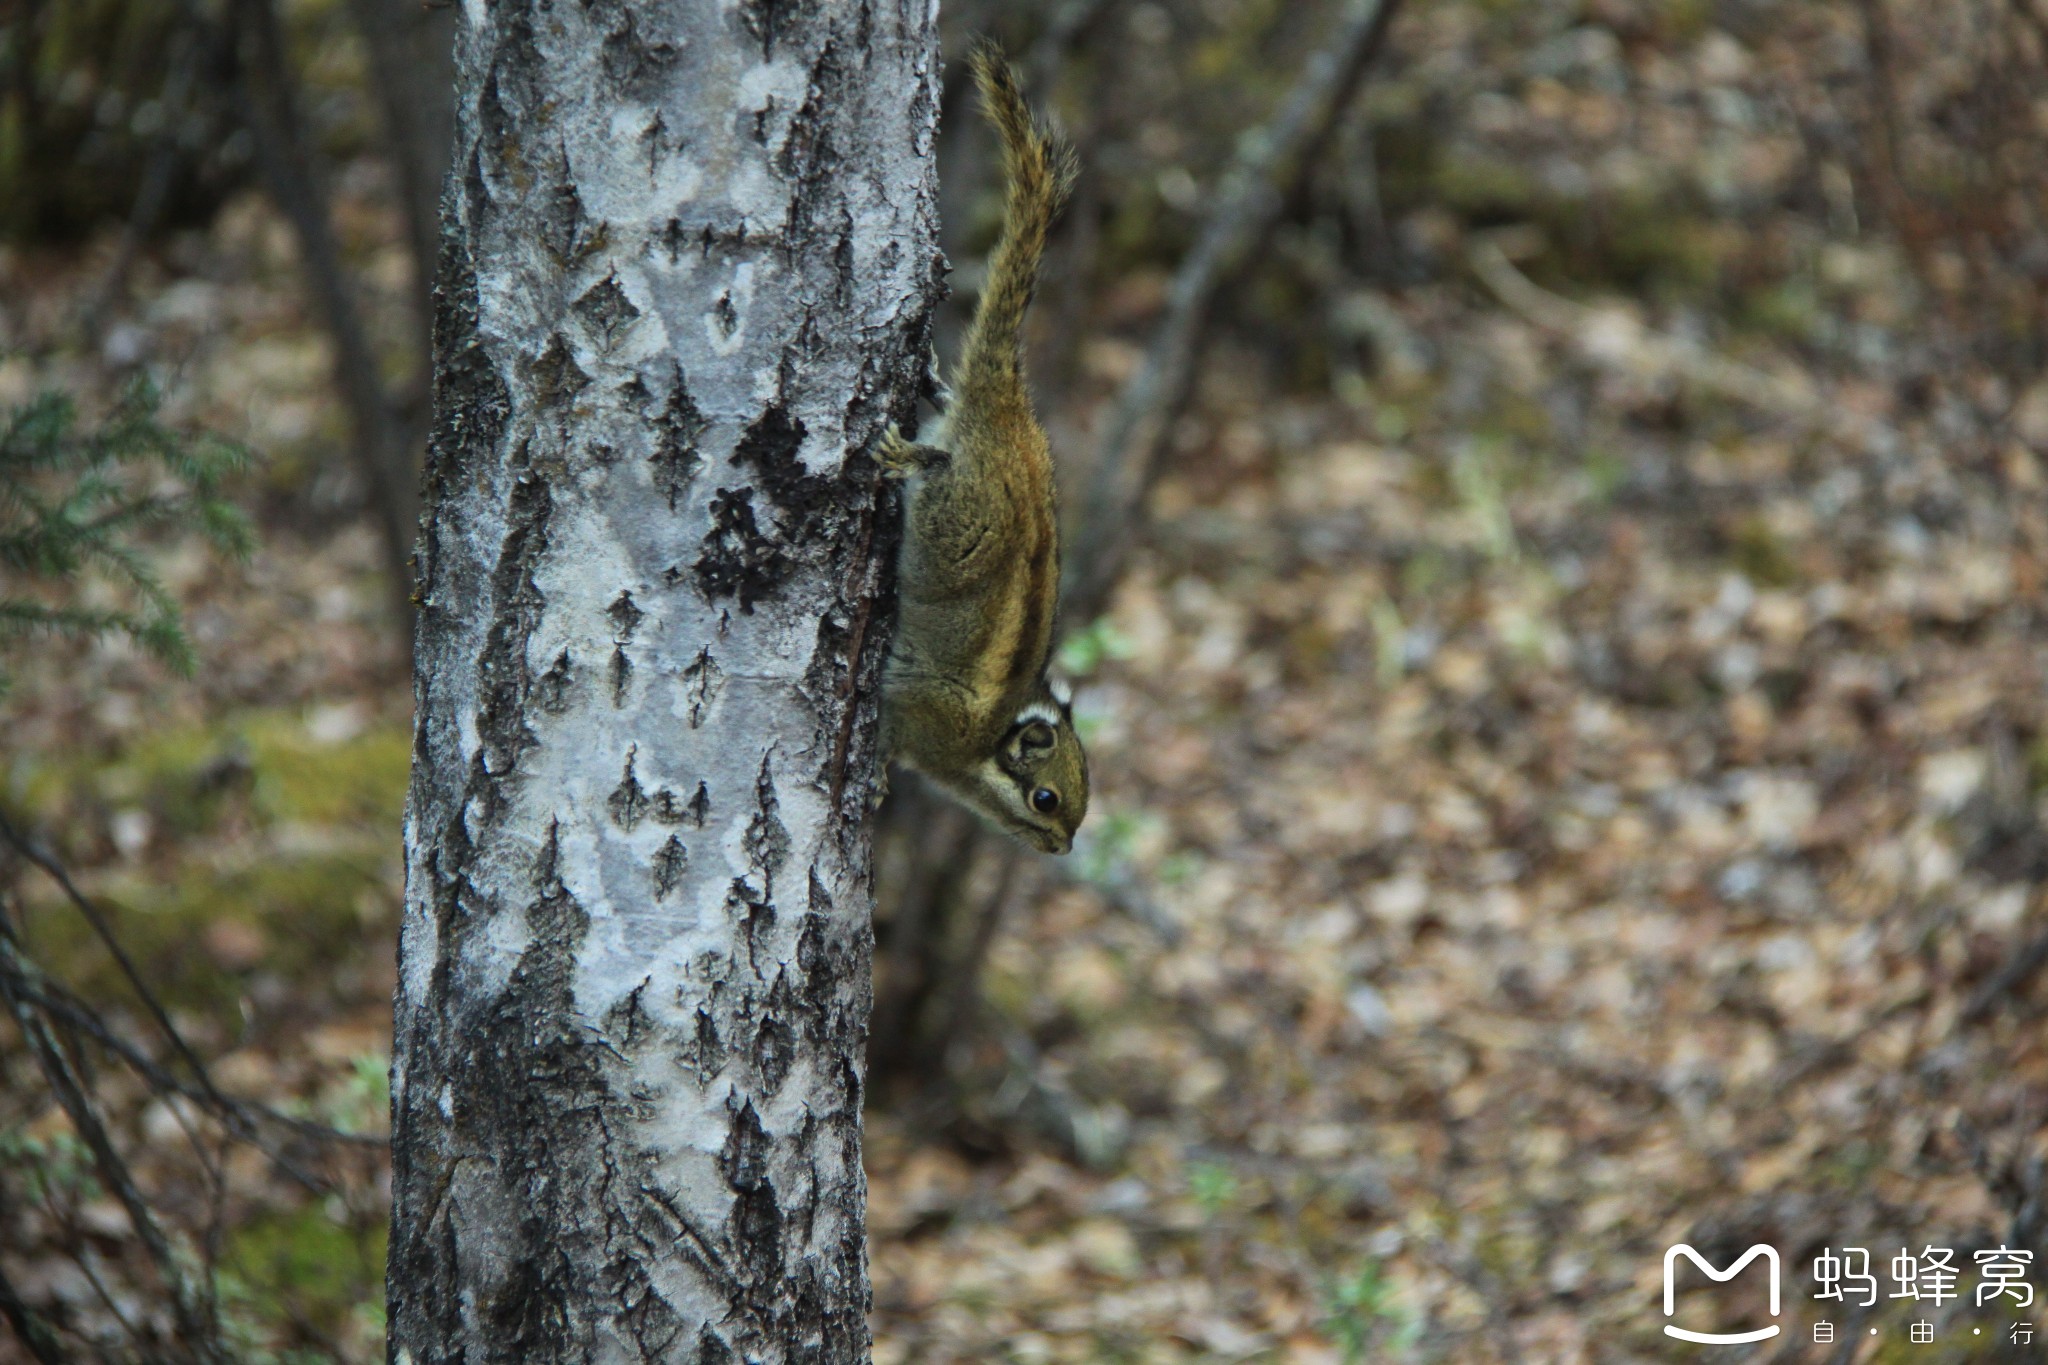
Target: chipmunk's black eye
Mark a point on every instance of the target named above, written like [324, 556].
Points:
[1045, 800]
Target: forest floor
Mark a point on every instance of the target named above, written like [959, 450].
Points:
[1583, 764]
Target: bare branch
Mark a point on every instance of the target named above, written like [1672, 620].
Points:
[29, 1328]
[285, 156]
[189, 1308]
[1615, 339]
[1248, 207]
[243, 1118]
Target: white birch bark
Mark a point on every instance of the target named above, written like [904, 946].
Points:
[688, 262]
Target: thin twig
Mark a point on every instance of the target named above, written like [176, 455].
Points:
[29, 1327]
[285, 155]
[241, 1116]
[2020, 968]
[1249, 205]
[189, 47]
[88, 1260]
[43, 859]
[195, 1323]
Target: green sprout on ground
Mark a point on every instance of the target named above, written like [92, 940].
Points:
[1213, 1186]
[1361, 1313]
[1095, 644]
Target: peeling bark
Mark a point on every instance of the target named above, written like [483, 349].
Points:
[688, 263]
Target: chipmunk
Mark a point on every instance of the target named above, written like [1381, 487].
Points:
[967, 699]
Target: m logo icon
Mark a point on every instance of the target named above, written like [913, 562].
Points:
[1770, 1254]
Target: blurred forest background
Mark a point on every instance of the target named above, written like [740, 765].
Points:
[1568, 726]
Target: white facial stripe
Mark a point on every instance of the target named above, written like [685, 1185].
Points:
[1039, 712]
[1061, 693]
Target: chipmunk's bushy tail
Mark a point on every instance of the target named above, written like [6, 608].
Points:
[1038, 172]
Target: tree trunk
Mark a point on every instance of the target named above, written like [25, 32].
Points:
[688, 264]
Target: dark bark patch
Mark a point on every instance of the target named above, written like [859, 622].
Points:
[551, 1141]
[743, 1160]
[628, 1020]
[702, 680]
[557, 378]
[650, 1321]
[842, 260]
[670, 862]
[725, 317]
[757, 916]
[622, 675]
[628, 801]
[771, 446]
[700, 805]
[767, 839]
[809, 158]
[502, 667]
[670, 811]
[551, 691]
[470, 400]
[712, 237]
[832, 657]
[562, 224]
[705, 1053]
[653, 138]
[769, 20]
[754, 1230]
[676, 458]
[774, 1040]
[774, 1054]
[810, 340]
[810, 944]
[632, 61]
[625, 617]
[606, 309]
[738, 560]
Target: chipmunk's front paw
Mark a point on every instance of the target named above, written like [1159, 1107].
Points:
[897, 456]
[900, 458]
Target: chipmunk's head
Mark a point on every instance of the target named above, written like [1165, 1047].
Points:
[1035, 785]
